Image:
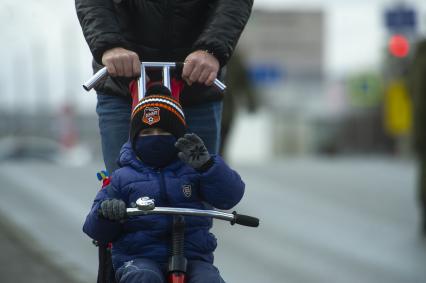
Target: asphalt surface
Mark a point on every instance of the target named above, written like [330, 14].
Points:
[322, 220]
[22, 261]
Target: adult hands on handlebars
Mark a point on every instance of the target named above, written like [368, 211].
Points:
[113, 209]
[121, 62]
[200, 66]
[193, 152]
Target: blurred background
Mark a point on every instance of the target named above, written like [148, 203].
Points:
[323, 120]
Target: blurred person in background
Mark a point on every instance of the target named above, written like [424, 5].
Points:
[418, 90]
[239, 92]
[121, 33]
[66, 127]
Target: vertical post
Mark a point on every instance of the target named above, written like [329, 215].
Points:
[166, 77]
[142, 83]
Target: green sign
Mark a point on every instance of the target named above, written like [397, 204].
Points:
[365, 90]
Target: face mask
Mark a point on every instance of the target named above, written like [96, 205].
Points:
[156, 150]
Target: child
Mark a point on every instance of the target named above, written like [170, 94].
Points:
[175, 169]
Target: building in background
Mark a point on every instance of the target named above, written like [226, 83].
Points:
[285, 53]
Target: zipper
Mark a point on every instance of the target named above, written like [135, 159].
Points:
[163, 191]
[169, 6]
[164, 198]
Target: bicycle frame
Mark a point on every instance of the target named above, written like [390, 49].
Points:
[177, 261]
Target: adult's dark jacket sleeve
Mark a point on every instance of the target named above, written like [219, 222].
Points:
[100, 27]
[224, 28]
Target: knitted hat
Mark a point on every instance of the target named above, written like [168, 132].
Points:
[158, 110]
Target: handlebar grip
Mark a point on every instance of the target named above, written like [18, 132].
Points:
[179, 69]
[94, 80]
[99, 213]
[245, 220]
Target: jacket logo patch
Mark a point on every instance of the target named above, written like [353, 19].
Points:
[187, 190]
[151, 115]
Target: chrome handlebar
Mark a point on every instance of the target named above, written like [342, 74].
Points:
[166, 66]
[146, 206]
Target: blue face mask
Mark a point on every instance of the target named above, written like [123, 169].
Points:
[156, 150]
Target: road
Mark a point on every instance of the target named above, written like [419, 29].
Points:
[322, 220]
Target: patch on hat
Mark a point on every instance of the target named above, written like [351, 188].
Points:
[151, 115]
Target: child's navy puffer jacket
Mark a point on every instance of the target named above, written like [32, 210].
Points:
[176, 185]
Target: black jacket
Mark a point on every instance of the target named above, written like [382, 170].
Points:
[163, 30]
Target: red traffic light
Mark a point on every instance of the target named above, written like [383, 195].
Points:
[399, 46]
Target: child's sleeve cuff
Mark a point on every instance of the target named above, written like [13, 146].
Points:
[206, 166]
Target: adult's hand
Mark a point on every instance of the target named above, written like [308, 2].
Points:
[200, 66]
[121, 62]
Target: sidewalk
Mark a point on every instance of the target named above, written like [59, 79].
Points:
[19, 262]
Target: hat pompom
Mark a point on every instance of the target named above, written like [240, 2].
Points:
[158, 89]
